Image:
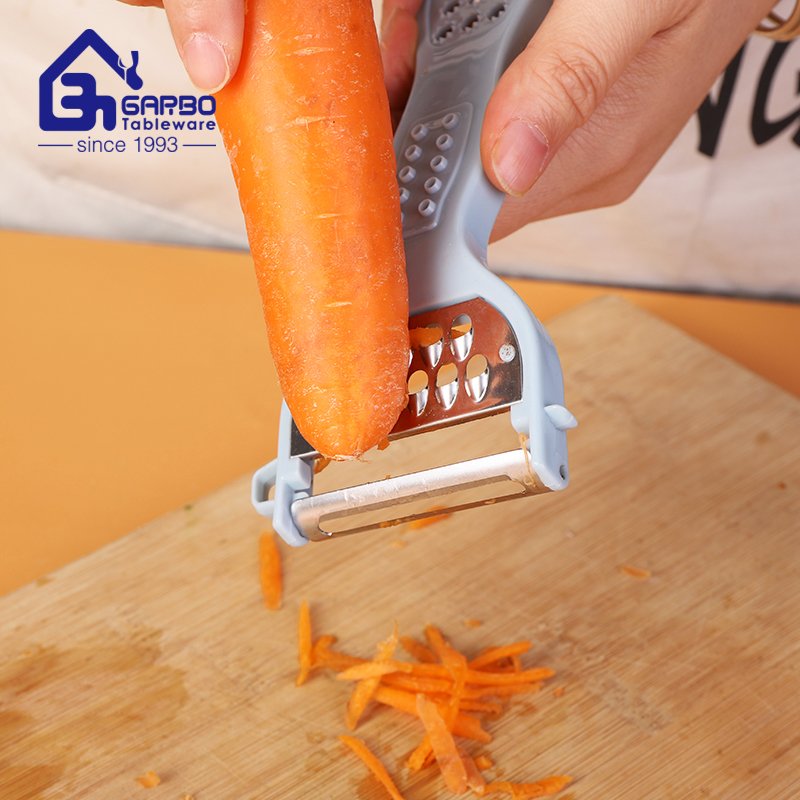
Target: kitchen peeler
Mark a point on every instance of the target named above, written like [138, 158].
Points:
[476, 348]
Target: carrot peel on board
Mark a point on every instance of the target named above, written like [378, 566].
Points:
[365, 689]
[306, 124]
[269, 558]
[304, 643]
[444, 747]
[524, 791]
[374, 764]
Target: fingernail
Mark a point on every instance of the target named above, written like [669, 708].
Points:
[387, 23]
[519, 156]
[206, 62]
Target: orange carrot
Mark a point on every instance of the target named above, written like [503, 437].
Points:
[372, 669]
[269, 558]
[304, 645]
[424, 522]
[475, 780]
[471, 622]
[638, 573]
[374, 764]
[483, 761]
[306, 124]
[413, 683]
[543, 788]
[494, 654]
[365, 689]
[149, 780]
[444, 748]
[465, 726]
[417, 650]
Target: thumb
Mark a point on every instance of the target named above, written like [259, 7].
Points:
[556, 83]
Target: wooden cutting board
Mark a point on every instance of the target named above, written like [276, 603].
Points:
[156, 652]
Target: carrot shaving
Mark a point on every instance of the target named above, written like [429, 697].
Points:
[639, 573]
[365, 689]
[413, 683]
[523, 791]
[464, 726]
[304, 644]
[372, 669]
[444, 747]
[493, 655]
[475, 780]
[373, 763]
[149, 780]
[320, 464]
[269, 560]
[417, 650]
[483, 762]
[559, 691]
[472, 623]
[424, 522]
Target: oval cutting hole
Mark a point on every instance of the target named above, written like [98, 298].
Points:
[418, 391]
[470, 22]
[429, 341]
[447, 385]
[477, 374]
[461, 336]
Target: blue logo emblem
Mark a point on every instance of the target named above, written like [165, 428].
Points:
[88, 102]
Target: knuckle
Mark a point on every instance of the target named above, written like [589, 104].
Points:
[581, 79]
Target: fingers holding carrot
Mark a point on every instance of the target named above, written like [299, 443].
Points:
[208, 35]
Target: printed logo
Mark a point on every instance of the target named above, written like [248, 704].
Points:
[88, 102]
[159, 123]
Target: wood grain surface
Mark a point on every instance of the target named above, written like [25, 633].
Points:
[156, 653]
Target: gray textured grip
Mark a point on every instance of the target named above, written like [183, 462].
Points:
[464, 46]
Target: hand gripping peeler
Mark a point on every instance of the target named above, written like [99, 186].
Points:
[477, 349]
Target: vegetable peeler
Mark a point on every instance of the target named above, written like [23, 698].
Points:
[476, 348]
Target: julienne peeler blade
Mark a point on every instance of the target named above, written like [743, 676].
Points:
[476, 348]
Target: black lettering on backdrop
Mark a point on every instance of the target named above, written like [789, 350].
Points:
[711, 114]
[762, 128]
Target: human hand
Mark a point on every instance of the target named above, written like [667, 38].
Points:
[208, 35]
[588, 108]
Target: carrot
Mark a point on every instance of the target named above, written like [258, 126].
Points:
[365, 689]
[494, 654]
[638, 573]
[304, 645]
[475, 780]
[465, 726]
[417, 650]
[373, 763]
[444, 748]
[543, 788]
[149, 780]
[269, 558]
[483, 761]
[306, 124]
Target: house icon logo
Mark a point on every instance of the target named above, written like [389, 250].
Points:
[88, 101]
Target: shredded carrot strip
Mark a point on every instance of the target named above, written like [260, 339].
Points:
[559, 691]
[413, 683]
[374, 764]
[465, 726]
[304, 643]
[372, 669]
[365, 689]
[483, 761]
[444, 748]
[494, 654]
[639, 573]
[543, 788]
[475, 780]
[417, 650]
[503, 691]
[269, 559]
[472, 623]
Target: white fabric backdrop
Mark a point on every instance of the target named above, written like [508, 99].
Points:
[727, 224]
